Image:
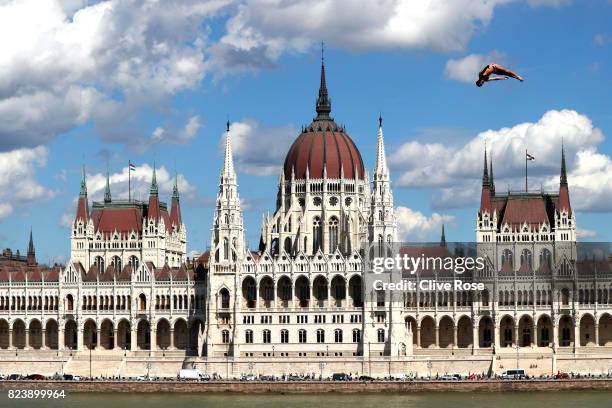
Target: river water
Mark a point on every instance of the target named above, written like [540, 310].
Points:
[560, 399]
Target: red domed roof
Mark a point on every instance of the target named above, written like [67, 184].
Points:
[324, 144]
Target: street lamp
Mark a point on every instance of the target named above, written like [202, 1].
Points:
[321, 367]
[272, 351]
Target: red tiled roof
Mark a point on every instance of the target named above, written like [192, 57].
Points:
[324, 144]
[122, 220]
[175, 214]
[82, 209]
[524, 209]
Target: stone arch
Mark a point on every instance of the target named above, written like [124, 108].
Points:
[525, 333]
[4, 334]
[143, 335]
[266, 292]
[428, 332]
[605, 330]
[302, 291]
[355, 291]
[51, 334]
[107, 334]
[142, 302]
[124, 334]
[249, 291]
[411, 323]
[35, 334]
[180, 334]
[319, 291]
[163, 334]
[587, 330]
[506, 331]
[465, 332]
[70, 335]
[485, 332]
[19, 328]
[224, 298]
[196, 328]
[90, 334]
[338, 291]
[545, 331]
[283, 291]
[566, 331]
[446, 328]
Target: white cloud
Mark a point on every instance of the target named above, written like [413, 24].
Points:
[585, 233]
[548, 3]
[63, 64]
[466, 69]
[18, 184]
[455, 170]
[170, 135]
[259, 150]
[414, 225]
[602, 39]
[140, 184]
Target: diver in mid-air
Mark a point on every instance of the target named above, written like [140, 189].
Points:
[495, 69]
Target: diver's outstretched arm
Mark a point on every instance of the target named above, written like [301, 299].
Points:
[498, 78]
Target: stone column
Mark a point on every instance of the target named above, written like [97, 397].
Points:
[98, 335]
[79, 345]
[171, 346]
[496, 336]
[418, 336]
[577, 335]
[596, 334]
[27, 339]
[437, 335]
[60, 338]
[534, 336]
[555, 336]
[153, 342]
[475, 336]
[133, 338]
[516, 336]
[115, 344]
[43, 335]
[10, 346]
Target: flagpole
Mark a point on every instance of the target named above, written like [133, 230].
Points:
[129, 181]
[526, 171]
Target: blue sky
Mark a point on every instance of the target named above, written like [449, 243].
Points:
[164, 95]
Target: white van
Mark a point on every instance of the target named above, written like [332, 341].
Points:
[190, 374]
[516, 374]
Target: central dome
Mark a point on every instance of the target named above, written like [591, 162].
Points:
[324, 145]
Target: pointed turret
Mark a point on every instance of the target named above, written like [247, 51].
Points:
[485, 197]
[175, 211]
[153, 197]
[381, 157]
[491, 176]
[323, 101]
[443, 238]
[228, 159]
[107, 192]
[31, 259]
[564, 200]
[82, 204]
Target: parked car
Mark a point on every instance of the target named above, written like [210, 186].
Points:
[365, 378]
[14, 377]
[562, 376]
[248, 377]
[36, 377]
[449, 377]
[340, 377]
[517, 374]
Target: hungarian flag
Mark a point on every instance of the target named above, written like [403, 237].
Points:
[529, 157]
[132, 166]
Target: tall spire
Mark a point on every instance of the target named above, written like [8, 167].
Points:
[107, 192]
[323, 101]
[154, 189]
[175, 191]
[563, 178]
[381, 157]
[83, 192]
[175, 211]
[443, 238]
[228, 160]
[485, 174]
[31, 258]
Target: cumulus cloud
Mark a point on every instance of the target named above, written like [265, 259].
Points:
[455, 170]
[171, 135]
[414, 225]
[259, 150]
[585, 233]
[466, 69]
[63, 64]
[548, 3]
[140, 184]
[18, 184]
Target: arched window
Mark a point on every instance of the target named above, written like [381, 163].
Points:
[356, 336]
[338, 336]
[507, 258]
[316, 234]
[545, 259]
[320, 336]
[267, 337]
[116, 262]
[99, 262]
[380, 335]
[565, 296]
[142, 302]
[69, 303]
[302, 336]
[225, 298]
[134, 262]
[333, 234]
[526, 259]
[248, 336]
[225, 337]
[284, 334]
[225, 248]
